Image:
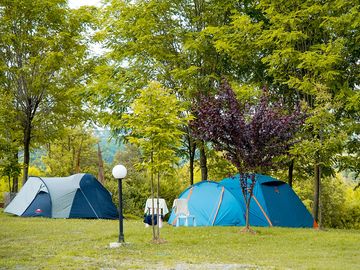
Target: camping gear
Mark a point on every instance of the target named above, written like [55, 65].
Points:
[274, 203]
[163, 210]
[148, 219]
[76, 196]
[162, 206]
[181, 210]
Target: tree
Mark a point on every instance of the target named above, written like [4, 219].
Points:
[74, 152]
[154, 122]
[9, 143]
[308, 48]
[303, 50]
[164, 41]
[250, 136]
[42, 61]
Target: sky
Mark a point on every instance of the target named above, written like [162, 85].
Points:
[79, 3]
[95, 48]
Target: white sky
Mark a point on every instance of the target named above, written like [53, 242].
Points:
[95, 48]
[79, 3]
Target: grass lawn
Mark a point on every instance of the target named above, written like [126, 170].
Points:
[33, 243]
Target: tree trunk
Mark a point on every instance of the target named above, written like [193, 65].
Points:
[10, 187]
[27, 139]
[191, 147]
[78, 158]
[290, 172]
[247, 214]
[158, 206]
[152, 198]
[191, 168]
[101, 166]
[316, 205]
[15, 185]
[203, 162]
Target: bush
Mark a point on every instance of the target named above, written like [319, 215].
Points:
[339, 202]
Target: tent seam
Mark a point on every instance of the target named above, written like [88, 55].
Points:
[88, 203]
[219, 204]
[51, 204]
[263, 211]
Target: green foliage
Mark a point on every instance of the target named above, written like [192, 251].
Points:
[9, 142]
[309, 51]
[340, 204]
[218, 166]
[74, 152]
[136, 185]
[43, 62]
[154, 124]
[339, 201]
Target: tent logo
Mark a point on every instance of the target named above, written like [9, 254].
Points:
[38, 211]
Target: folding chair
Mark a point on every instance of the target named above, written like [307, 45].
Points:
[181, 211]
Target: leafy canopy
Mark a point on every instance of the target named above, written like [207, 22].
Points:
[154, 124]
[251, 136]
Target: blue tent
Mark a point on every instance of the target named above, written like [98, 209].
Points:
[76, 196]
[274, 203]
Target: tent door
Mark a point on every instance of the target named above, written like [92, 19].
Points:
[40, 206]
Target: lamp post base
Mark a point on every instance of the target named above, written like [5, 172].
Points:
[117, 244]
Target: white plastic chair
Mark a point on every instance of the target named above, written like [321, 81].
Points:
[182, 212]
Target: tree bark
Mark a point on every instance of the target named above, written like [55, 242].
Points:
[317, 179]
[78, 157]
[158, 206]
[15, 185]
[203, 162]
[290, 172]
[247, 214]
[101, 166]
[152, 197]
[192, 149]
[27, 139]
[10, 187]
[191, 169]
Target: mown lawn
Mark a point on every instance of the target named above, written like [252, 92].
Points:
[34, 243]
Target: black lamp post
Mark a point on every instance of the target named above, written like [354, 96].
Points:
[119, 172]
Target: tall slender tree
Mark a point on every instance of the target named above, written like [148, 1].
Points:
[42, 59]
[310, 52]
[154, 123]
[10, 137]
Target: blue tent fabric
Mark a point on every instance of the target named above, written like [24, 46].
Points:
[274, 203]
[40, 207]
[94, 192]
[206, 209]
[80, 207]
[76, 196]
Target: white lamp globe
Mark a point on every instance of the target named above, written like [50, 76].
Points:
[119, 171]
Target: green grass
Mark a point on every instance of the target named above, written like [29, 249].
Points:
[34, 243]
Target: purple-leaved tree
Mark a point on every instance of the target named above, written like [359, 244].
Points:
[250, 136]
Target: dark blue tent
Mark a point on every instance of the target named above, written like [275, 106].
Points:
[274, 203]
[76, 196]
